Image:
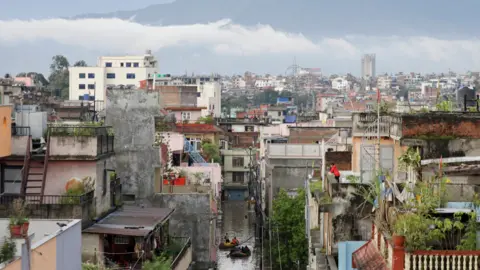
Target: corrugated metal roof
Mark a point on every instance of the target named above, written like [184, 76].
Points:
[131, 221]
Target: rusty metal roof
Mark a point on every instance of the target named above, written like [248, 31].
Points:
[131, 221]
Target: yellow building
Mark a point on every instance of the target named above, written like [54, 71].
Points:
[5, 130]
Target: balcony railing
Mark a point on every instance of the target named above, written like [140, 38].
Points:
[442, 259]
[242, 120]
[20, 131]
[53, 206]
[86, 141]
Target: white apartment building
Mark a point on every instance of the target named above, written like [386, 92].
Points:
[110, 70]
[384, 82]
[210, 96]
[368, 66]
[340, 83]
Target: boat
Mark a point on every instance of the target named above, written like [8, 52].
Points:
[237, 253]
[228, 245]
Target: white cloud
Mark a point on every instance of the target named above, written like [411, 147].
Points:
[226, 38]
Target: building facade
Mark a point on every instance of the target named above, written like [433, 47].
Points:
[368, 66]
[110, 70]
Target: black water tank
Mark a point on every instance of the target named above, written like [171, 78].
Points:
[471, 96]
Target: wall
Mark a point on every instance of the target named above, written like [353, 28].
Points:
[175, 140]
[343, 160]
[345, 250]
[37, 121]
[185, 261]
[174, 96]
[210, 96]
[194, 116]
[5, 130]
[19, 145]
[131, 114]
[99, 81]
[59, 172]
[71, 146]
[436, 147]
[69, 248]
[357, 142]
[191, 218]
[213, 171]
[441, 125]
[92, 247]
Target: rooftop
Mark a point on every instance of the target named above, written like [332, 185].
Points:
[185, 108]
[198, 128]
[131, 221]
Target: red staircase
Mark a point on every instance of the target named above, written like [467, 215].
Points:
[34, 173]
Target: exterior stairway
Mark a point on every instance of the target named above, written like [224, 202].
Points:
[34, 174]
[193, 153]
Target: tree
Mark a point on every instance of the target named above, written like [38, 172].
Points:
[59, 76]
[7, 75]
[289, 245]
[80, 63]
[211, 151]
[158, 263]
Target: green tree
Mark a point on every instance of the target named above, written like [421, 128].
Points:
[158, 263]
[289, 243]
[266, 97]
[59, 76]
[211, 151]
[80, 63]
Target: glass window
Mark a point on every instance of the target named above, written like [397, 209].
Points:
[128, 64]
[110, 75]
[136, 64]
[81, 86]
[81, 75]
[108, 64]
[130, 75]
[121, 64]
[91, 75]
[237, 161]
[91, 86]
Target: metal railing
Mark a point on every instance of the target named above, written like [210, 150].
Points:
[178, 255]
[243, 120]
[115, 192]
[20, 131]
[105, 144]
[7, 199]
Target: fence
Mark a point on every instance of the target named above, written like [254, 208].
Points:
[53, 206]
[105, 144]
[442, 259]
[20, 131]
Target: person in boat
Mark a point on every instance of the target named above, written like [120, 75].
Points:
[226, 239]
[235, 241]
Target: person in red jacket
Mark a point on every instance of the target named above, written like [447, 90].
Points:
[336, 173]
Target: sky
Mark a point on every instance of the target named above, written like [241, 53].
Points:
[38, 9]
[27, 43]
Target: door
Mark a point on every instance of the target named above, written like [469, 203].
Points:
[367, 162]
[386, 159]
[236, 194]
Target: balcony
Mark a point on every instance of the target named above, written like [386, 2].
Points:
[442, 259]
[182, 258]
[365, 125]
[53, 206]
[80, 142]
[286, 151]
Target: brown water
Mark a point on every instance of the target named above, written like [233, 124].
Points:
[235, 224]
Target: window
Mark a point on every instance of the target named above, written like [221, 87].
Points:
[130, 75]
[81, 86]
[237, 161]
[136, 64]
[198, 94]
[91, 86]
[248, 128]
[110, 75]
[279, 113]
[81, 75]
[238, 177]
[213, 107]
[121, 240]
[12, 179]
[128, 64]
[91, 75]
[186, 116]
[121, 64]
[108, 64]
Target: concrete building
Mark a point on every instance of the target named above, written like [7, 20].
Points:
[236, 172]
[110, 70]
[210, 96]
[368, 66]
[5, 130]
[340, 84]
[52, 247]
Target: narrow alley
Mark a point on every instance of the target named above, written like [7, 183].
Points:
[238, 221]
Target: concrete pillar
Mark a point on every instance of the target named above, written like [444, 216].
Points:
[398, 258]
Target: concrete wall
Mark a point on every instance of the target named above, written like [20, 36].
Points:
[185, 261]
[5, 131]
[191, 219]
[194, 116]
[441, 125]
[343, 160]
[213, 172]
[73, 146]
[60, 172]
[131, 114]
[92, 247]
[174, 140]
[37, 121]
[19, 145]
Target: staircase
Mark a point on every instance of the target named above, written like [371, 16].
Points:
[193, 153]
[34, 174]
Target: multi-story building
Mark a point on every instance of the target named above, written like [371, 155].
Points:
[237, 165]
[5, 130]
[340, 83]
[368, 66]
[91, 82]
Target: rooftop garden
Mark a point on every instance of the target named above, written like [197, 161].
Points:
[84, 129]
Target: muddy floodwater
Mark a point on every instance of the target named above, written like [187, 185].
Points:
[237, 221]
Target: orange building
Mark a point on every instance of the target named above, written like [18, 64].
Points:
[5, 130]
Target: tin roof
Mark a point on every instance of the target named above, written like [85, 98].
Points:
[131, 221]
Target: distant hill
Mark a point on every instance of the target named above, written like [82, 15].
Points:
[318, 17]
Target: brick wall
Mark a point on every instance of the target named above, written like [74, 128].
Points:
[441, 125]
[174, 96]
[310, 135]
[343, 160]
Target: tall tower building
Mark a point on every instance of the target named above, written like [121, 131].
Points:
[368, 66]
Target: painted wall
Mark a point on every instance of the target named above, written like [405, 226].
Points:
[175, 140]
[37, 121]
[345, 250]
[5, 130]
[194, 115]
[185, 261]
[69, 248]
[212, 171]
[92, 247]
[73, 146]
[19, 145]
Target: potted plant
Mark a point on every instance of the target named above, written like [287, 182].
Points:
[400, 231]
[181, 179]
[19, 222]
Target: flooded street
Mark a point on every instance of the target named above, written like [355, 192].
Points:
[235, 224]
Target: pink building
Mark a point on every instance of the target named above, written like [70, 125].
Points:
[190, 114]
